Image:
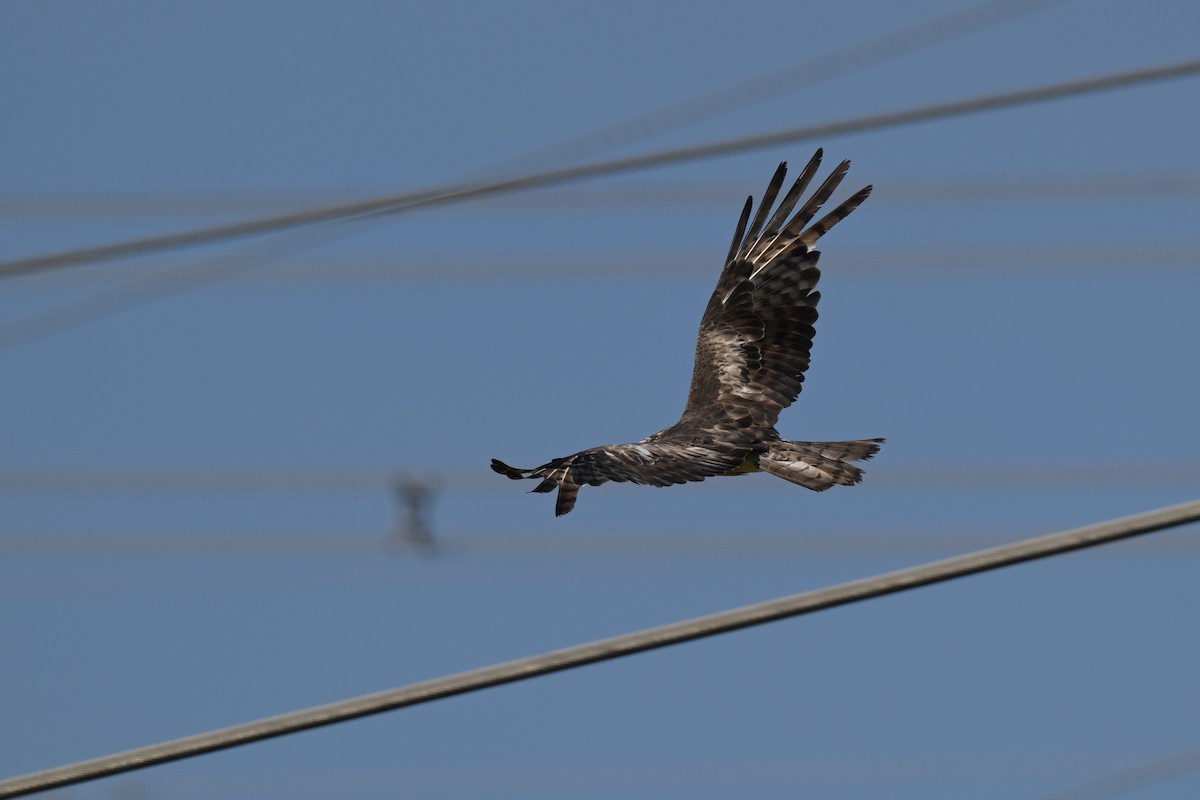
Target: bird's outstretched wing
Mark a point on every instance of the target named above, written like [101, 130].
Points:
[648, 463]
[757, 331]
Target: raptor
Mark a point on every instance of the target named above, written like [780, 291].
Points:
[751, 354]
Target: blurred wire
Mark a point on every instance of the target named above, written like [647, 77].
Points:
[395, 204]
[196, 202]
[414, 531]
[191, 545]
[121, 298]
[1133, 779]
[641, 545]
[820, 68]
[806, 73]
[138, 288]
[465, 479]
[809, 72]
[1114, 187]
[606, 649]
[911, 259]
[45, 323]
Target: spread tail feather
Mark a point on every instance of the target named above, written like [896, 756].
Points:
[818, 465]
[552, 479]
[567, 494]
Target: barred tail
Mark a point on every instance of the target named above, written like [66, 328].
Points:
[818, 465]
[553, 476]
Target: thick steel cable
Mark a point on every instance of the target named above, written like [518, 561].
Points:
[409, 201]
[606, 649]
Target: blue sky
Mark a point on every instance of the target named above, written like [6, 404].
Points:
[1017, 299]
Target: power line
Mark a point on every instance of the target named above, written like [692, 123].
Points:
[120, 298]
[912, 259]
[641, 544]
[906, 191]
[607, 649]
[163, 284]
[351, 272]
[46, 323]
[808, 72]
[191, 545]
[1134, 778]
[467, 479]
[409, 201]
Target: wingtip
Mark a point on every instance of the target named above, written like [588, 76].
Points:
[814, 163]
[858, 198]
[780, 173]
[507, 471]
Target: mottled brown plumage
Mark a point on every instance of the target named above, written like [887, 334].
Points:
[751, 354]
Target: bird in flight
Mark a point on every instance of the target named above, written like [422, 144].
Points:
[751, 354]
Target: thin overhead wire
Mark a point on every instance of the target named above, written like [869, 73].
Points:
[806, 73]
[408, 201]
[809, 72]
[40, 325]
[137, 285]
[912, 260]
[120, 298]
[1097, 187]
[339, 480]
[920, 36]
[192, 545]
[1132, 779]
[606, 649]
[644, 545]
[137, 289]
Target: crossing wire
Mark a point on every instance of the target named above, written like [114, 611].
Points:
[1133, 779]
[643, 544]
[1112, 187]
[809, 72]
[426, 198]
[914, 260]
[607, 649]
[464, 478]
[891, 45]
